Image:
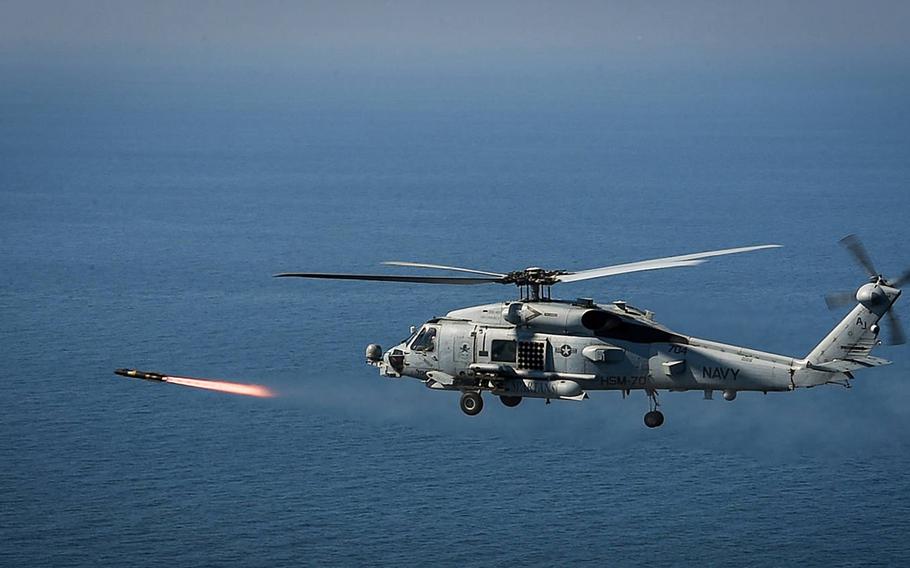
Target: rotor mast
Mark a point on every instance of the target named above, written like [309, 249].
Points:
[530, 292]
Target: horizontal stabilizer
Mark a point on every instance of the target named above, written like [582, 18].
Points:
[869, 361]
[847, 365]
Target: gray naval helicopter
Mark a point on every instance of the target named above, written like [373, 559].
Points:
[541, 347]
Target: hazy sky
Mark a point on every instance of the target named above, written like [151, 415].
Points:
[457, 33]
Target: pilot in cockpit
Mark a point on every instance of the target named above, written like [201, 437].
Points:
[425, 340]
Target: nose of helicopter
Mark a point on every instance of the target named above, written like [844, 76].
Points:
[395, 359]
[390, 363]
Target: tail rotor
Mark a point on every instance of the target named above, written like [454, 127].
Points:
[840, 299]
[898, 337]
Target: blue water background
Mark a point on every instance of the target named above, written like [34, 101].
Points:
[140, 225]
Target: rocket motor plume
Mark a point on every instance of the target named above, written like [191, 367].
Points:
[222, 386]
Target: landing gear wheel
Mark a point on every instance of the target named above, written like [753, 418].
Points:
[510, 401]
[471, 403]
[654, 418]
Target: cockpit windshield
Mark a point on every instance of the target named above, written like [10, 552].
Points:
[410, 338]
[425, 340]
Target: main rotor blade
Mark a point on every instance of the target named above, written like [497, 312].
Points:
[655, 264]
[440, 267]
[897, 330]
[839, 299]
[856, 248]
[389, 278]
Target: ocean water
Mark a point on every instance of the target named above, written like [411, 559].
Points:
[142, 231]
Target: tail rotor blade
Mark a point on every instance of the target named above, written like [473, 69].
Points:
[839, 299]
[856, 248]
[897, 330]
[901, 280]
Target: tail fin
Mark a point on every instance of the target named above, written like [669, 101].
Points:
[853, 338]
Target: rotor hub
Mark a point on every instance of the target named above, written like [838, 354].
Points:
[533, 276]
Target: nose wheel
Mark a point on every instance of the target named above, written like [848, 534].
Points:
[654, 417]
[471, 403]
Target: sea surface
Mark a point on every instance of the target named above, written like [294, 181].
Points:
[140, 227]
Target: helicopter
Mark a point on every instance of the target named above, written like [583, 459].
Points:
[541, 347]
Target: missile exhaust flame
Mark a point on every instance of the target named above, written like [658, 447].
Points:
[222, 386]
[209, 384]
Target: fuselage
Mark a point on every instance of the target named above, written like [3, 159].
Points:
[559, 349]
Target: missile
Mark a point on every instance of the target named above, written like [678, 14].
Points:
[210, 384]
[136, 374]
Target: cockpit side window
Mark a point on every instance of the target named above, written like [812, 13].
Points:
[425, 340]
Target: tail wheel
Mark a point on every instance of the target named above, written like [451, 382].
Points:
[471, 403]
[510, 401]
[654, 419]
